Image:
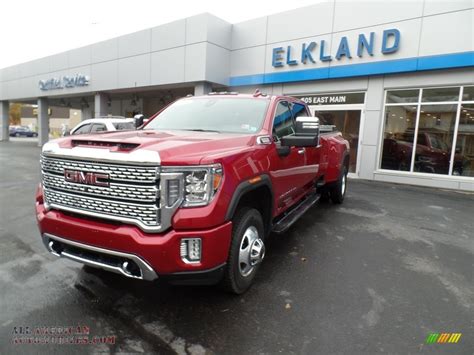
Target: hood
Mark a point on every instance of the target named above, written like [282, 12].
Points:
[173, 147]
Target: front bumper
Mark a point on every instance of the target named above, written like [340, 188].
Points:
[107, 245]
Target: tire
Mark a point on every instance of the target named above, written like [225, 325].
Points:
[17, 134]
[241, 268]
[338, 191]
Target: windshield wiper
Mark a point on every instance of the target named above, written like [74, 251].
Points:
[202, 130]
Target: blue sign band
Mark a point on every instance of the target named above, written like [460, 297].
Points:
[443, 61]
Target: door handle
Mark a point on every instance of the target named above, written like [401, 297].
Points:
[301, 151]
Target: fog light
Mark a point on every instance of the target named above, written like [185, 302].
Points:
[190, 250]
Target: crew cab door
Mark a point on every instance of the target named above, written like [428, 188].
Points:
[287, 163]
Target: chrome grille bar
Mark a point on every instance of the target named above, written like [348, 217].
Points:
[117, 172]
[144, 193]
[142, 215]
[132, 196]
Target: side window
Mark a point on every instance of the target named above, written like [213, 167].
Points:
[298, 110]
[83, 129]
[98, 127]
[283, 122]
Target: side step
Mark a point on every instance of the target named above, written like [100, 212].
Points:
[296, 212]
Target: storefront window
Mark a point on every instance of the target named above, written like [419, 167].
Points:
[435, 138]
[440, 94]
[468, 93]
[398, 137]
[402, 96]
[464, 154]
[429, 124]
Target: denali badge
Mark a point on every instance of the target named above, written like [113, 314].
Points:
[88, 178]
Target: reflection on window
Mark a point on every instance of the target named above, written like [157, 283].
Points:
[402, 96]
[464, 154]
[468, 93]
[440, 94]
[436, 127]
[437, 114]
[398, 137]
[283, 122]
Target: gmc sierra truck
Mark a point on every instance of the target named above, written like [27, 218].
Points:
[191, 196]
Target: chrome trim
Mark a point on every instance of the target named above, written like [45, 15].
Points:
[115, 191]
[165, 210]
[138, 223]
[117, 172]
[147, 272]
[136, 157]
[264, 140]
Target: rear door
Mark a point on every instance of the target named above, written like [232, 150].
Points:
[287, 172]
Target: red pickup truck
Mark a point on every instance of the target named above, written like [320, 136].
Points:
[191, 196]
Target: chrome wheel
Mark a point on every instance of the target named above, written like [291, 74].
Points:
[251, 251]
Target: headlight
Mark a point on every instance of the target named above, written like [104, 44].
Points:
[200, 183]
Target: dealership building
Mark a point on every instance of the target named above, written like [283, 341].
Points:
[396, 78]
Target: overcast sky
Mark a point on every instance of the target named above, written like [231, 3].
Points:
[38, 28]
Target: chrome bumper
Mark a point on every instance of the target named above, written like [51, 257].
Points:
[121, 263]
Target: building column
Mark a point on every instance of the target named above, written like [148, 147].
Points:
[202, 88]
[4, 120]
[43, 121]
[100, 104]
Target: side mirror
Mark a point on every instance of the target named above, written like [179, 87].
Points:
[66, 133]
[139, 119]
[306, 135]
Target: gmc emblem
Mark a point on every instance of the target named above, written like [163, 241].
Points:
[87, 178]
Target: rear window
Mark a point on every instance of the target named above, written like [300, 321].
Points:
[122, 126]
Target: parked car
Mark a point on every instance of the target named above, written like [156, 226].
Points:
[193, 196]
[102, 124]
[21, 131]
[432, 154]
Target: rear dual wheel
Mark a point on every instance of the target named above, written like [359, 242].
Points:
[337, 192]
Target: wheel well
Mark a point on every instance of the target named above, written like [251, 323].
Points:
[261, 199]
[346, 162]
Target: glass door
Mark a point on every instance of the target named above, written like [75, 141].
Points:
[347, 120]
[345, 111]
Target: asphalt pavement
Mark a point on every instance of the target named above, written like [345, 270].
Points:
[377, 274]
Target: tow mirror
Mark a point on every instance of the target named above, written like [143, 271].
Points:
[139, 119]
[306, 133]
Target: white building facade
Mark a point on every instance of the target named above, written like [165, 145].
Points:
[395, 77]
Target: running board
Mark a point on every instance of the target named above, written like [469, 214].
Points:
[292, 216]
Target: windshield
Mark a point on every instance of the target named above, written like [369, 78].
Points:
[234, 115]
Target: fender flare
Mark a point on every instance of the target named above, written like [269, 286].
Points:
[243, 188]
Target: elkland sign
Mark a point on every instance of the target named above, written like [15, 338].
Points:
[309, 51]
[64, 82]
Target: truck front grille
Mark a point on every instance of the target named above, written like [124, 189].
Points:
[132, 195]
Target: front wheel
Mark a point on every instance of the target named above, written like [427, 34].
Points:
[338, 191]
[247, 250]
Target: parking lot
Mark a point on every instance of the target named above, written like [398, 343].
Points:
[377, 274]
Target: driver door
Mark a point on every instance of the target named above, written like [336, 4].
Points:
[287, 172]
